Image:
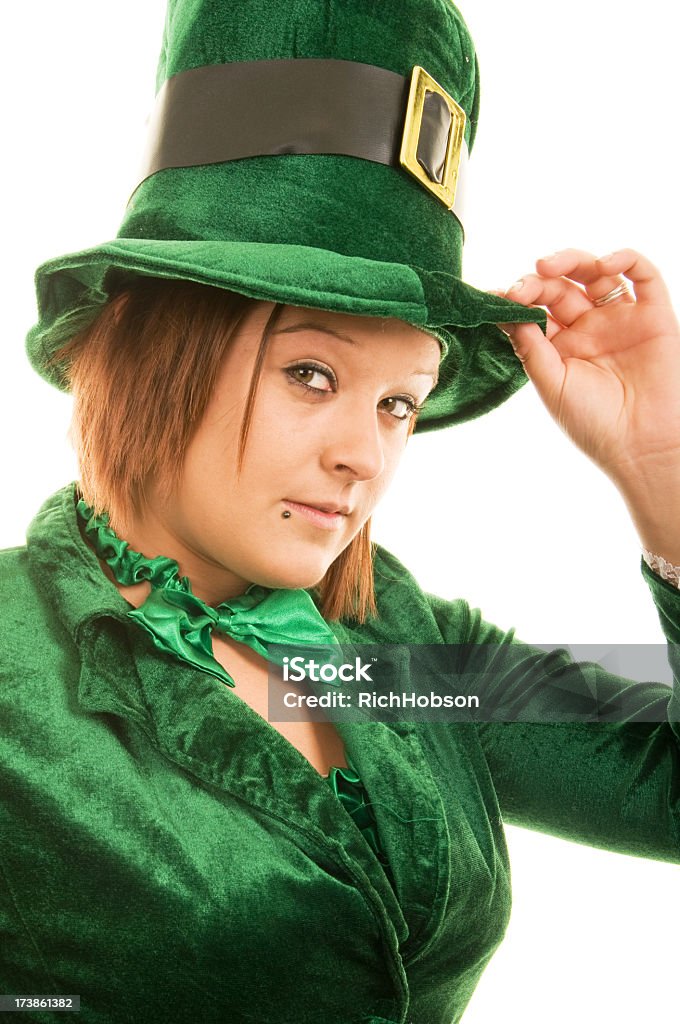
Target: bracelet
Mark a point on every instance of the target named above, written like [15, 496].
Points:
[662, 568]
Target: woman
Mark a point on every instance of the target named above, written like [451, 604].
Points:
[336, 440]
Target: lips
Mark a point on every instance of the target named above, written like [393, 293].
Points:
[328, 518]
[324, 506]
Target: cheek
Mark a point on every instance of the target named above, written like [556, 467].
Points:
[278, 433]
[214, 448]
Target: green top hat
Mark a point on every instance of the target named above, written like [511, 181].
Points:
[312, 154]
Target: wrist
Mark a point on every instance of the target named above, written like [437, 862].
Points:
[654, 507]
[668, 572]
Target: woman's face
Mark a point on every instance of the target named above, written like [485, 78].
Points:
[330, 423]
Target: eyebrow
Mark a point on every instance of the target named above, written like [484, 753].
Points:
[312, 325]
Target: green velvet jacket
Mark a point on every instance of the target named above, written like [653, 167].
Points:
[166, 854]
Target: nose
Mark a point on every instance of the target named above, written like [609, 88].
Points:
[354, 444]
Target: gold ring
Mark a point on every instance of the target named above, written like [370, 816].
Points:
[616, 293]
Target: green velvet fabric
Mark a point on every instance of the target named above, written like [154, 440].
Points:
[316, 230]
[168, 855]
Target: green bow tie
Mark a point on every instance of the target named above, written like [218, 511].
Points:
[180, 623]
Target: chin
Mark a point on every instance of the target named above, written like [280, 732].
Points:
[287, 577]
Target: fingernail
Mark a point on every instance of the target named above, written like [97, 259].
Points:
[609, 255]
[547, 259]
[516, 286]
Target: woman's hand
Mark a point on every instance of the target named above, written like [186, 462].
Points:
[610, 374]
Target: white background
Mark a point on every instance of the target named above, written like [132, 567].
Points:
[577, 146]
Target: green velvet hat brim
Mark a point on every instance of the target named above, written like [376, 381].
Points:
[478, 370]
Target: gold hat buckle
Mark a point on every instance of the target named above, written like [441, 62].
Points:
[441, 184]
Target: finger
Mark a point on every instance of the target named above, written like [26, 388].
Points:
[648, 284]
[552, 326]
[541, 360]
[585, 268]
[565, 300]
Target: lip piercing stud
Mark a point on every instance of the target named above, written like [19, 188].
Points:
[285, 515]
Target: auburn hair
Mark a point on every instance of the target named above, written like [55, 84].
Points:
[142, 375]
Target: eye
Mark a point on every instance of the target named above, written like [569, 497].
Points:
[304, 373]
[405, 408]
